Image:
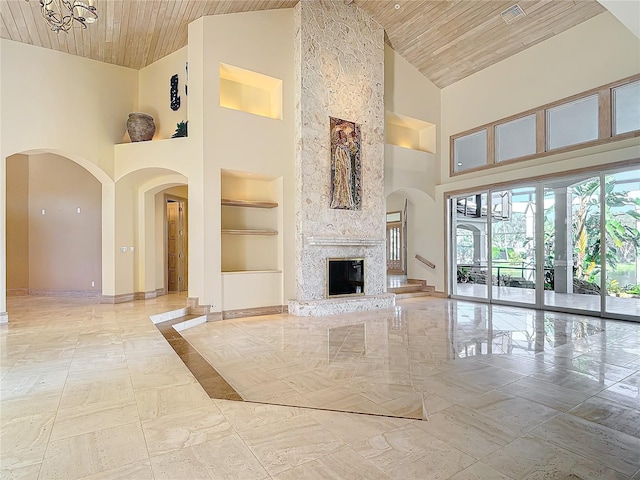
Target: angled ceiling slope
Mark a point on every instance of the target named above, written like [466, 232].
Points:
[445, 40]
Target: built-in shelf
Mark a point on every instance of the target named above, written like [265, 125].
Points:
[248, 203]
[248, 232]
[250, 227]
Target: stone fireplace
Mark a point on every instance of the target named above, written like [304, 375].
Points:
[339, 73]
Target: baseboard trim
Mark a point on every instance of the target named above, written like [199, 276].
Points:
[161, 292]
[113, 299]
[145, 295]
[34, 292]
[4, 317]
[195, 308]
[17, 292]
[254, 312]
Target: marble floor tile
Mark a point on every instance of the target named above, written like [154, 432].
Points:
[614, 356]
[470, 431]
[93, 417]
[485, 378]
[587, 383]
[88, 388]
[597, 369]
[410, 452]
[18, 383]
[72, 370]
[516, 413]
[248, 416]
[97, 362]
[480, 471]
[21, 463]
[450, 388]
[229, 459]
[144, 377]
[344, 463]
[624, 394]
[185, 429]
[533, 458]
[290, 442]
[28, 405]
[132, 471]
[82, 455]
[611, 448]
[25, 432]
[525, 366]
[540, 391]
[610, 413]
[156, 402]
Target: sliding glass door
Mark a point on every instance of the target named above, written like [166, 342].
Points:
[568, 244]
[572, 267]
[513, 252]
[622, 240]
[469, 248]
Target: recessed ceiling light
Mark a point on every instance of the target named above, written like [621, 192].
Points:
[459, 164]
[397, 6]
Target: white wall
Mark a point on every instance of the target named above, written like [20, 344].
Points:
[68, 105]
[626, 11]
[64, 103]
[234, 140]
[155, 83]
[64, 244]
[411, 173]
[596, 52]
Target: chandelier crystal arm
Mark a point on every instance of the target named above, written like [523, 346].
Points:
[61, 15]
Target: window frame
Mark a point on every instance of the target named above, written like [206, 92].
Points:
[605, 129]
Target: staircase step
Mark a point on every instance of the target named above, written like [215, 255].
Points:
[400, 296]
[406, 288]
[413, 288]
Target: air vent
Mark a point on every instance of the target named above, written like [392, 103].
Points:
[512, 14]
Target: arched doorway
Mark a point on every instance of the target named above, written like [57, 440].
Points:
[54, 227]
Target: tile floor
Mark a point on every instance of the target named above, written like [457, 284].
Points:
[95, 391]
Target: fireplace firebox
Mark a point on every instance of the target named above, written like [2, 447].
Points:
[345, 276]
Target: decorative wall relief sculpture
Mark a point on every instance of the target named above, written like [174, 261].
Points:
[346, 165]
[175, 97]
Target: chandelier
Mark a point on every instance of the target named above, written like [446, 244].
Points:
[61, 15]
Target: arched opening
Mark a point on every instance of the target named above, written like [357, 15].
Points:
[54, 227]
[159, 191]
[410, 241]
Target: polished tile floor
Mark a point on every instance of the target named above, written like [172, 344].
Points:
[95, 391]
[629, 306]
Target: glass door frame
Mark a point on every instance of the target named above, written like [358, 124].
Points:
[600, 173]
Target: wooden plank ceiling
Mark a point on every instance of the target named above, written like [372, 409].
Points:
[446, 40]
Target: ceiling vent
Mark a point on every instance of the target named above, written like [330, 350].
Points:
[512, 14]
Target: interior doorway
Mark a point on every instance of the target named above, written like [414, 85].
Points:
[176, 266]
[396, 243]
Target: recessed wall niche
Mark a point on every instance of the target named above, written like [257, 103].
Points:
[250, 92]
[409, 132]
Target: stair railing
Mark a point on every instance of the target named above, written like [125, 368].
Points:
[425, 261]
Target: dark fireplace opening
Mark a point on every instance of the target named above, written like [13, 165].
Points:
[345, 276]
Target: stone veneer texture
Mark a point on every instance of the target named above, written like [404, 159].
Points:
[339, 73]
